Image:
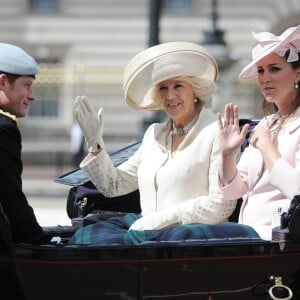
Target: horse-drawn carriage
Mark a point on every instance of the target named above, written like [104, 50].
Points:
[238, 267]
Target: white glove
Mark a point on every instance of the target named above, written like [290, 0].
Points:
[157, 220]
[90, 123]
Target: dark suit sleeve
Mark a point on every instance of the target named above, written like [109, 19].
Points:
[23, 223]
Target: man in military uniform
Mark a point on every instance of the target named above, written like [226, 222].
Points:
[17, 74]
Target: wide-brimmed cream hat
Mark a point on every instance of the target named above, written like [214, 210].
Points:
[269, 43]
[162, 62]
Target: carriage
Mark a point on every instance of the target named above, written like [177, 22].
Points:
[243, 267]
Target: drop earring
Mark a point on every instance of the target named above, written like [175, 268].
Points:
[297, 85]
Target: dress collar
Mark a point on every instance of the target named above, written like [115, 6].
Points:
[293, 121]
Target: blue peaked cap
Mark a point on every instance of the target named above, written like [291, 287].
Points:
[14, 60]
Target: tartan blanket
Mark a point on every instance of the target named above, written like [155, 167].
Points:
[114, 231]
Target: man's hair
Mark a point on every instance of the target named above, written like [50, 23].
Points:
[13, 77]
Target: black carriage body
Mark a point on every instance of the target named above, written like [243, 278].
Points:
[190, 269]
[162, 271]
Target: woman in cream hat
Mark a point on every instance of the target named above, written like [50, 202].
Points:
[176, 167]
[268, 173]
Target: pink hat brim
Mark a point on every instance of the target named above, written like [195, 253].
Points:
[287, 36]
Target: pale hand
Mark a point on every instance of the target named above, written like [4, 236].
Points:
[90, 122]
[260, 137]
[231, 138]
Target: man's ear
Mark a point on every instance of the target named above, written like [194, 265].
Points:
[3, 79]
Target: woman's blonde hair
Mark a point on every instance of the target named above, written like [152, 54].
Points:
[203, 89]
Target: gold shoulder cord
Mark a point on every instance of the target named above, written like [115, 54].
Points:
[12, 117]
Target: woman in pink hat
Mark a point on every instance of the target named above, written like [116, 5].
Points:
[267, 175]
[176, 167]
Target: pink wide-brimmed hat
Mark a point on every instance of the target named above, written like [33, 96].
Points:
[162, 62]
[269, 43]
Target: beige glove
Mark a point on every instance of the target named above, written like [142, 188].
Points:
[90, 122]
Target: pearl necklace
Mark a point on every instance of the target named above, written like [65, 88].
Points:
[184, 130]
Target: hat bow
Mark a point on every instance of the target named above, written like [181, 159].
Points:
[282, 43]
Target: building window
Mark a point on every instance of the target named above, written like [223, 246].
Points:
[178, 6]
[47, 89]
[44, 6]
[46, 104]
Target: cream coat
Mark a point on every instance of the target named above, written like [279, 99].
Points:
[267, 193]
[173, 190]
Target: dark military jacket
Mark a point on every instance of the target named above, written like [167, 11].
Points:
[23, 223]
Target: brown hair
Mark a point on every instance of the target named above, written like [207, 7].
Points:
[13, 77]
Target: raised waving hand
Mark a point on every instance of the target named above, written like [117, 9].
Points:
[231, 138]
[90, 122]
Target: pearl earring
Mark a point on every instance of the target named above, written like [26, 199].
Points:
[195, 100]
[297, 85]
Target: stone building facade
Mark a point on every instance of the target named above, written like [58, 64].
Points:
[83, 47]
